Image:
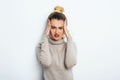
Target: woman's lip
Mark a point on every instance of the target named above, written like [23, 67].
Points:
[56, 35]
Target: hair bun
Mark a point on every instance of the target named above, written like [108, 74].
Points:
[58, 9]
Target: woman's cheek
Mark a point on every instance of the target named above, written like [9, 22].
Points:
[62, 32]
[51, 31]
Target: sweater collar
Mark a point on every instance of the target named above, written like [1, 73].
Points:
[56, 42]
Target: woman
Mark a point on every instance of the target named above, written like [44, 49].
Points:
[57, 56]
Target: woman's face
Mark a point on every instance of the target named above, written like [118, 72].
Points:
[56, 30]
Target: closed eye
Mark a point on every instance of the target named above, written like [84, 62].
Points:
[60, 27]
[53, 27]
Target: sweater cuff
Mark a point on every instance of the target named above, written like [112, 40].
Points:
[69, 40]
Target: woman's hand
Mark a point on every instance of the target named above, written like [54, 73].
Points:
[47, 32]
[66, 31]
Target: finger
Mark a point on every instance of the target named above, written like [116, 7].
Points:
[65, 23]
[49, 25]
[48, 28]
[47, 31]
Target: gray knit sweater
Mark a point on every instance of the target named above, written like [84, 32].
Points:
[57, 58]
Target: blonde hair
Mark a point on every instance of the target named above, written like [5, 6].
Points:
[59, 9]
[57, 14]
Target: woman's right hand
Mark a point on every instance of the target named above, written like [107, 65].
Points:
[47, 32]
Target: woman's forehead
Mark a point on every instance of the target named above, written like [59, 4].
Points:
[57, 23]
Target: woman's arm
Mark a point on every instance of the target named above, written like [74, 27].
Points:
[71, 50]
[44, 55]
[71, 54]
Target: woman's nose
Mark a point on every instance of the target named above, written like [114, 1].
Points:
[56, 30]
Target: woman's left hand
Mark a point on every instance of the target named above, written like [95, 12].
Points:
[66, 30]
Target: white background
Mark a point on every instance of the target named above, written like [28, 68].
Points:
[93, 24]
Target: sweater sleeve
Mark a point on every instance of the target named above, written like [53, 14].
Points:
[43, 53]
[71, 54]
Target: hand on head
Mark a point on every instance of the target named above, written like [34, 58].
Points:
[66, 31]
[65, 27]
[47, 32]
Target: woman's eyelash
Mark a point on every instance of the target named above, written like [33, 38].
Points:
[60, 28]
[53, 27]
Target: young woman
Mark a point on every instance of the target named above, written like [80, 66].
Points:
[57, 56]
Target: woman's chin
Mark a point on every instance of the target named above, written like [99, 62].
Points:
[57, 39]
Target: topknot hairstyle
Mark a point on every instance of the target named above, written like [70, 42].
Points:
[57, 14]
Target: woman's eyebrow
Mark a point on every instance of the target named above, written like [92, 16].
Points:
[61, 26]
[53, 26]
[58, 27]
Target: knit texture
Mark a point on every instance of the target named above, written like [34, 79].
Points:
[57, 58]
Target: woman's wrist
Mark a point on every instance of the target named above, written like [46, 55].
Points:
[68, 36]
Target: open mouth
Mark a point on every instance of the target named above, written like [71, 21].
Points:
[56, 35]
